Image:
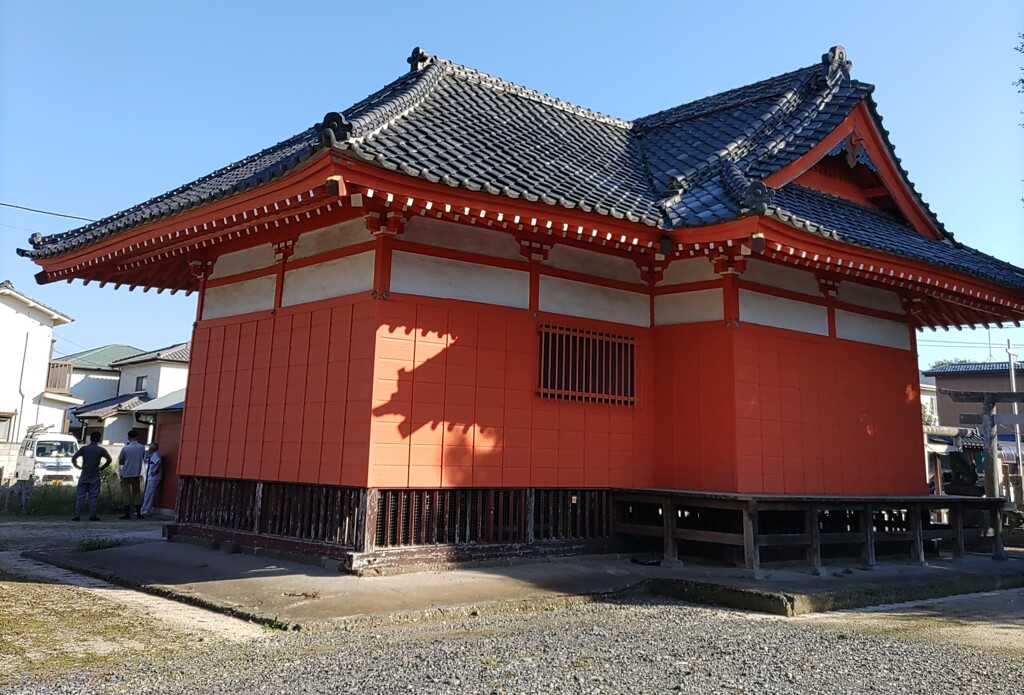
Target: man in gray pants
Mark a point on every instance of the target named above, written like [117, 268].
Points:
[129, 463]
[91, 459]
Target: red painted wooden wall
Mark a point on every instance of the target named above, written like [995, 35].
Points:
[168, 434]
[424, 393]
[455, 404]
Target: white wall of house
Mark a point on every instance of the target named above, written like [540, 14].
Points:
[92, 385]
[25, 356]
[115, 429]
[171, 376]
[160, 378]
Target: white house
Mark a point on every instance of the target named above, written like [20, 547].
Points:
[34, 390]
[142, 377]
[93, 379]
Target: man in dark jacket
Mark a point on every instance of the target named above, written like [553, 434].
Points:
[91, 459]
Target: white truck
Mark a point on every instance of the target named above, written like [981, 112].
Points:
[46, 458]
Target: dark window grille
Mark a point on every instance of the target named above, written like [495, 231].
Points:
[587, 366]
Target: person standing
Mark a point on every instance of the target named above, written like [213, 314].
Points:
[90, 459]
[154, 474]
[129, 463]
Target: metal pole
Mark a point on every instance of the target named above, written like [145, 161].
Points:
[1016, 427]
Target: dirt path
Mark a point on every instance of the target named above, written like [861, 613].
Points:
[54, 619]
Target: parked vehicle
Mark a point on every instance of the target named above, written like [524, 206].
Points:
[46, 458]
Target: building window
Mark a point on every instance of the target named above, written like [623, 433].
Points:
[140, 383]
[587, 366]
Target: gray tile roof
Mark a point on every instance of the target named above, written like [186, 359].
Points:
[972, 368]
[696, 164]
[173, 353]
[175, 400]
[123, 403]
[100, 358]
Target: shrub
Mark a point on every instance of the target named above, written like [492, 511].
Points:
[60, 499]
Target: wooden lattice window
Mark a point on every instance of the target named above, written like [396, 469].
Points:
[587, 366]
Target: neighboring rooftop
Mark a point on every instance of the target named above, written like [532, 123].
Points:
[972, 368]
[697, 164]
[101, 358]
[8, 289]
[172, 353]
[126, 402]
[175, 400]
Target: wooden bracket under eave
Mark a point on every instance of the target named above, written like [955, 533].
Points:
[336, 186]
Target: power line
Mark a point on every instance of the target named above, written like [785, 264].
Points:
[47, 212]
[24, 229]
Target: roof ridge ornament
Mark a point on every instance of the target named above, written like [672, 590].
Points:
[756, 196]
[333, 129]
[418, 59]
[838, 66]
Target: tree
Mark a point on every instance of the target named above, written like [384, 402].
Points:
[953, 360]
[928, 416]
[1019, 82]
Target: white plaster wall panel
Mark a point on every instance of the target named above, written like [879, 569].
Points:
[412, 273]
[337, 278]
[766, 310]
[460, 237]
[868, 329]
[239, 297]
[782, 277]
[330, 238]
[593, 263]
[690, 270]
[871, 297]
[689, 307]
[170, 377]
[572, 298]
[243, 261]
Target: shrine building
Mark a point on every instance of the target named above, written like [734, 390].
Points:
[465, 319]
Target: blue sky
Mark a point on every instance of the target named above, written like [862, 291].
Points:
[105, 104]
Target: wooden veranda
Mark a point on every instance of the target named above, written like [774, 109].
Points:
[811, 523]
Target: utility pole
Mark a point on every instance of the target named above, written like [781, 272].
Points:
[1012, 358]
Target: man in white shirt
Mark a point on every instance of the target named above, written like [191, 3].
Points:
[154, 474]
[129, 464]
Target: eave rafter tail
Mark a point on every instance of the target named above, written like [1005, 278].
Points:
[975, 301]
[188, 232]
[392, 191]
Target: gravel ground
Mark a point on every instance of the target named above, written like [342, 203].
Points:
[123, 641]
[629, 647]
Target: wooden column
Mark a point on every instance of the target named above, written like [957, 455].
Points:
[957, 522]
[529, 515]
[867, 520]
[670, 556]
[993, 466]
[366, 525]
[995, 516]
[917, 528]
[751, 551]
[813, 539]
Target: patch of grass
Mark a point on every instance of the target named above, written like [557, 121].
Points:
[98, 543]
[48, 628]
[60, 499]
[275, 624]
